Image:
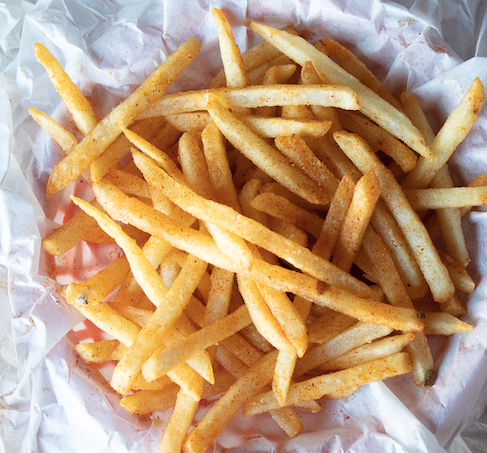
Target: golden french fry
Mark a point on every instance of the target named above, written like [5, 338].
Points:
[94, 290]
[97, 352]
[179, 423]
[453, 197]
[77, 104]
[108, 129]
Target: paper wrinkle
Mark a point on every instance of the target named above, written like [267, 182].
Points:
[52, 401]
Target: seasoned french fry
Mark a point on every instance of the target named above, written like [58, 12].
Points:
[77, 104]
[235, 72]
[256, 96]
[453, 131]
[416, 234]
[98, 352]
[371, 104]
[108, 129]
[365, 196]
[348, 61]
[322, 385]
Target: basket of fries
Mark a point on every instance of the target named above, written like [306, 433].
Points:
[259, 231]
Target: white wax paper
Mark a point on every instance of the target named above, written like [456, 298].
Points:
[51, 401]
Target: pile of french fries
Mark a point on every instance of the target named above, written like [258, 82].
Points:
[279, 222]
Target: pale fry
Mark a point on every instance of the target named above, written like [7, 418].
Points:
[376, 350]
[451, 221]
[413, 229]
[437, 323]
[365, 196]
[453, 197]
[94, 290]
[233, 65]
[453, 131]
[371, 104]
[256, 96]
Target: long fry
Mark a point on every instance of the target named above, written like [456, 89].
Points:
[108, 129]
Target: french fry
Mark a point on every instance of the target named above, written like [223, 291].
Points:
[283, 209]
[453, 197]
[458, 274]
[256, 96]
[378, 349]
[365, 196]
[65, 139]
[437, 323]
[77, 104]
[416, 234]
[371, 104]
[348, 61]
[179, 423]
[94, 290]
[98, 352]
[235, 72]
[451, 221]
[356, 335]
[453, 131]
[317, 387]
[296, 149]
[108, 129]
[283, 374]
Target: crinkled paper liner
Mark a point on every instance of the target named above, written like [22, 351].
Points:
[51, 401]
